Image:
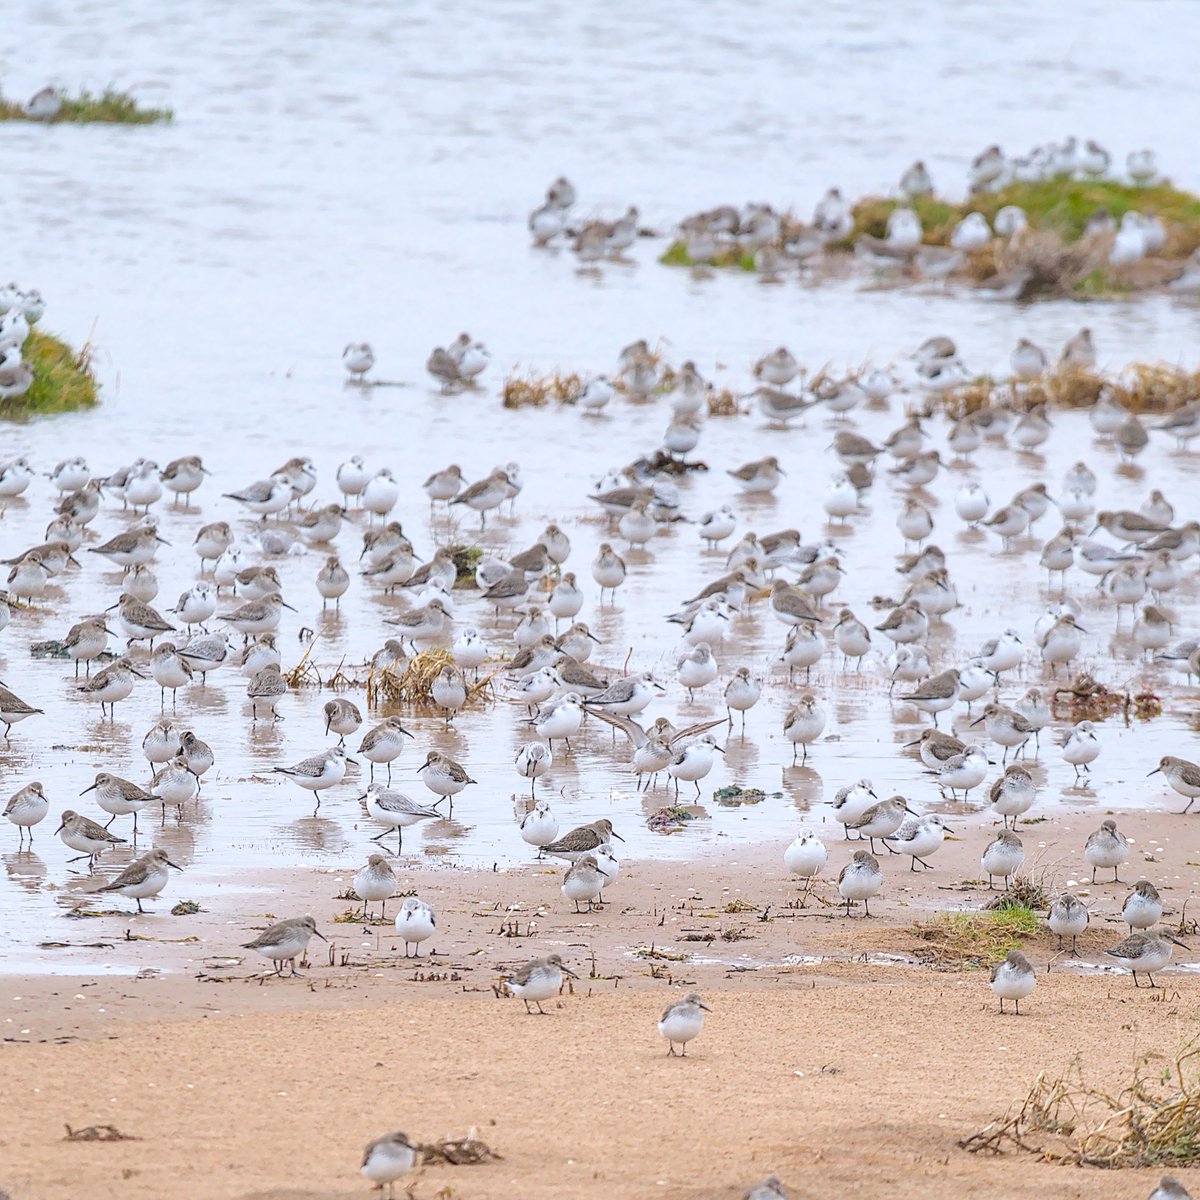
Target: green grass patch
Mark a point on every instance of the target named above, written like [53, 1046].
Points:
[732, 257]
[1060, 206]
[975, 939]
[110, 107]
[62, 378]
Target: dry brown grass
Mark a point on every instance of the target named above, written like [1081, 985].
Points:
[1151, 1121]
[414, 685]
[536, 391]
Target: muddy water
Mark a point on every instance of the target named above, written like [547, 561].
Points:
[339, 175]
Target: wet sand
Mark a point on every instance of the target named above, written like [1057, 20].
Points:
[833, 1056]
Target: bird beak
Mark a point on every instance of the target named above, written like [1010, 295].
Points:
[720, 749]
[287, 606]
[106, 628]
[161, 541]
[617, 836]
[705, 1006]
[1184, 945]
[61, 828]
[138, 674]
[1081, 629]
[593, 637]
[171, 864]
[909, 745]
[976, 722]
[407, 734]
[205, 471]
[318, 933]
[73, 560]
[1154, 772]
[352, 761]
[568, 971]
[88, 789]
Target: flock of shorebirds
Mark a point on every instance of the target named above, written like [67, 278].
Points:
[777, 242]
[505, 612]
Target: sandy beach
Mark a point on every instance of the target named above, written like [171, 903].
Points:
[839, 1053]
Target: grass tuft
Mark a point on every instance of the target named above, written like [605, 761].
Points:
[110, 107]
[974, 939]
[1153, 1120]
[62, 379]
[536, 391]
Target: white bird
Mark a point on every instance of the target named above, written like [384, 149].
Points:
[415, 923]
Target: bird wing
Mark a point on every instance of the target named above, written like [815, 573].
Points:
[690, 731]
[629, 727]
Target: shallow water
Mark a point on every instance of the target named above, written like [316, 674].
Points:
[352, 174]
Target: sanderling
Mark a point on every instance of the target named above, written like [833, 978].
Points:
[1003, 856]
[443, 776]
[118, 797]
[1182, 775]
[197, 754]
[625, 697]
[162, 741]
[919, 837]
[1169, 1188]
[415, 923]
[742, 693]
[388, 1158]
[769, 1189]
[258, 616]
[485, 494]
[881, 820]
[1068, 917]
[538, 980]
[762, 475]
[1004, 726]
[1106, 848]
[375, 882]
[196, 605]
[266, 687]
[396, 811]
[1145, 953]
[358, 358]
[183, 476]
[860, 879]
[318, 772]
[113, 683]
[935, 694]
[144, 878]
[86, 641]
[137, 545]
[425, 624]
[962, 772]
[539, 826]
[681, 1022]
[608, 570]
[342, 717]
[383, 743]
[265, 497]
[285, 941]
[1081, 746]
[174, 784]
[1013, 979]
[13, 710]
[693, 762]
[805, 857]
[27, 807]
[83, 834]
[533, 760]
[1013, 794]
[803, 723]
[584, 880]
[1143, 907]
[170, 670]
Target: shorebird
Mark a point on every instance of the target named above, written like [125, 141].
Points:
[682, 1022]
[1013, 979]
[286, 941]
[538, 980]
